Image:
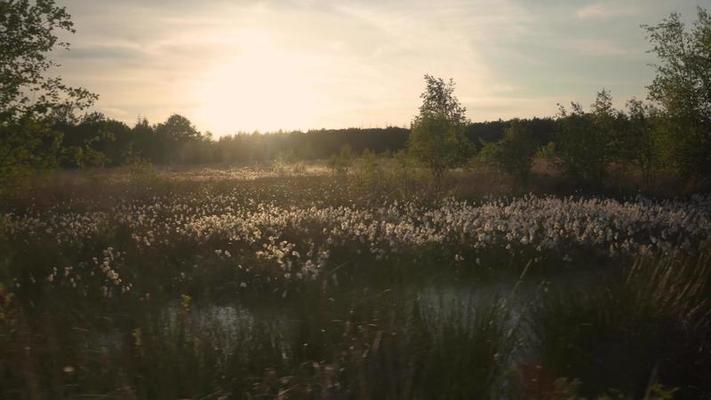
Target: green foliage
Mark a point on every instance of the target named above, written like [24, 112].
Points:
[26, 145]
[141, 170]
[340, 163]
[639, 139]
[514, 153]
[682, 147]
[29, 100]
[28, 34]
[178, 129]
[682, 87]
[437, 136]
[585, 143]
[404, 176]
[369, 173]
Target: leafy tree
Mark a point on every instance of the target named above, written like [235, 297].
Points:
[586, 142]
[514, 153]
[640, 146]
[174, 135]
[437, 135]
[142, 147]
[608, 122]
[29, 100]
[682, 87]
[178, 128]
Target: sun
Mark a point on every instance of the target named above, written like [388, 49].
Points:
[261, 86]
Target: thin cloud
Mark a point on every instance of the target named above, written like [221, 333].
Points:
[246, 65]
[596, 47]
[604, 11]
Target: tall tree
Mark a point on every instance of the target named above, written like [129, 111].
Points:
[437, 137]
[29, 99]
[639, 145]
[174, 135]
[178, 129]
[682, 87]
[586, 141]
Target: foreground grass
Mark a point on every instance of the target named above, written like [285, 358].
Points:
[410, 341]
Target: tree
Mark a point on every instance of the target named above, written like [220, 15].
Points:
[586, 142]
[96, 140]
[514, 153]
[178, 129]
[437, 136]
[29, 100]
[682, 87]
[639, 139]
[174, 135]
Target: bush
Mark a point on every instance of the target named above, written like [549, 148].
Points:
[514, 153]
[586, 141]
[340, 163]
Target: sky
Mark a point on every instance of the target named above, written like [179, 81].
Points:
[246, 65]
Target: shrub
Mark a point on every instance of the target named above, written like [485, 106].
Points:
[341, 162]
[514, 153]
[585, 141]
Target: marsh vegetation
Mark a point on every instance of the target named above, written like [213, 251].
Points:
[255, 285]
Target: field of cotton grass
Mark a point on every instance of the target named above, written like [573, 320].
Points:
[311, 284]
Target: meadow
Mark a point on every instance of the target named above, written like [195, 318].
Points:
[298, 281]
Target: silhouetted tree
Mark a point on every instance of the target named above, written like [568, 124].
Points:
[173, 135]
[640, 144]
[437, 135]
[585, 141]
[30, 101]
[178, 129]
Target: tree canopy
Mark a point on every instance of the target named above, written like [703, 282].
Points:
[30, 100]
[437, 135]
[682, 87]
[28, 34]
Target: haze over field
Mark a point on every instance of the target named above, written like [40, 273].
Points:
[267, 65]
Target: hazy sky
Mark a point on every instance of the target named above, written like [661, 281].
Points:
[243, 65]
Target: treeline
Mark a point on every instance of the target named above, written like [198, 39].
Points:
[100, 141]
[584, 144]
[96, 140]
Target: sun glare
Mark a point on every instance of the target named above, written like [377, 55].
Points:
[261, 86]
